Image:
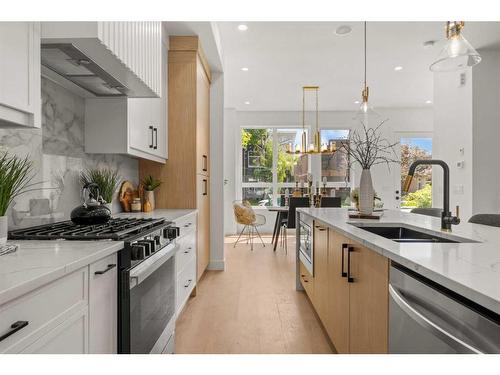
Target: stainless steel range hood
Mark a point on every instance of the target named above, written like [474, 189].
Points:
[69, 62]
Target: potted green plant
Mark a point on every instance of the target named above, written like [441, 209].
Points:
[106, 179]
[150, 184]
[15, 178]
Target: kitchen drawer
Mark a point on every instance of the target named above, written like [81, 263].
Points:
[186, 251]
[186, 281]
[187, 224]
[307, 281]
[43, 309]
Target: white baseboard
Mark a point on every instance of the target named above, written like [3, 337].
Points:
[217, 265]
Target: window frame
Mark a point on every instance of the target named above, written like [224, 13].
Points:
[275, 185]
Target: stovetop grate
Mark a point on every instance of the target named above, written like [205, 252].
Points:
[115, 229]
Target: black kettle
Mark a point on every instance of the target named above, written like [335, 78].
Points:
[93, 210]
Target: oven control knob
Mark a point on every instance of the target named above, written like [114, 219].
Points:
[147, 247]
[152, 245]
[137, 252]
[171, 233]
[158, 240]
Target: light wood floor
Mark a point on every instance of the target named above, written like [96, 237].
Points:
[251, 307]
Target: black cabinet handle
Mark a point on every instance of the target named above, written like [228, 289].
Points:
[155, 130]
[350, 279]
[187, 251]
[110, 267]
[187, 284]
[151, 145]
[205, 163]
[343, 273]
[205, 187]
[14, 327]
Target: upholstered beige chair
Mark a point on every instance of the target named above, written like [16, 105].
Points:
[245, 215]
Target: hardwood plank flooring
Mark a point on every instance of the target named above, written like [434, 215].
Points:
[251, 307]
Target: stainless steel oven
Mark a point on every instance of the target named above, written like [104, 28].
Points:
[306, 253]
[425, 318]
[148, 287]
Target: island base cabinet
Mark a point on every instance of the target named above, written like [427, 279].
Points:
[337, 323]
[368, 301]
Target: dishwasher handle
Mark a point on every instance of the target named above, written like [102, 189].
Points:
[430, 326]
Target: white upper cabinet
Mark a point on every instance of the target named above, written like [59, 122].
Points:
[129, 52]
[20, 74]
[132, 126]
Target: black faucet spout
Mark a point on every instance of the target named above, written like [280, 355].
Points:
[447, 220]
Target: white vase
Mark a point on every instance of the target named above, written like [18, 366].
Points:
[3, 230]
[366, 193]
[149, 196]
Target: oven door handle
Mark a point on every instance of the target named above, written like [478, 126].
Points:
[147, 267]
[429, 325]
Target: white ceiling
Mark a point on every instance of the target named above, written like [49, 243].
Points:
[284, 56]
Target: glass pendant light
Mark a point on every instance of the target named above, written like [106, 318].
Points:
[458, 53]
[366, 113]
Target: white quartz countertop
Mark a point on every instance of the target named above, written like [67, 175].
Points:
[37, 263]
[168, 214]
[470, 269]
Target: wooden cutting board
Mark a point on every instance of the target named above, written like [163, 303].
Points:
[126, 195]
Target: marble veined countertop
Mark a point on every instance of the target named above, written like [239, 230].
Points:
[37, 263]
[167, 213]
[470, 269]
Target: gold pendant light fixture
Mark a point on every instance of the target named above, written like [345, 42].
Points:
[458, 53]
[316, 147]
[365, 112]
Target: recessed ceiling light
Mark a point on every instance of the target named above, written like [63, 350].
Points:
[245, 69]
[343, 30]
[242, 27]
[398, 68]
[356, 102]
[428, 102]
[247, 102]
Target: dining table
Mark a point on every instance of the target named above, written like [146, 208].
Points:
[280, 214]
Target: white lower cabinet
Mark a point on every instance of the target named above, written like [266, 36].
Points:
[185, 260]
[74, 314]
[103, 302]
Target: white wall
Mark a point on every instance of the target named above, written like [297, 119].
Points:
[217, 258]
[486, 133]
[453, 138]
[400, 120]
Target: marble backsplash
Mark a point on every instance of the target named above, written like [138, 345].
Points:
[57, 151]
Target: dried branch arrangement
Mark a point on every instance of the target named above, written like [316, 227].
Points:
[368, 147]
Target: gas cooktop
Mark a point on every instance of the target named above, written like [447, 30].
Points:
[115, 229]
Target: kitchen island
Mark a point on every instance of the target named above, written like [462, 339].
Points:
[469, 267]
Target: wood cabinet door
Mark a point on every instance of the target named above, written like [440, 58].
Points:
[307, 281]
[337, 322]
[368, 301]
[203, 248]
[202, 121]
[320, 244]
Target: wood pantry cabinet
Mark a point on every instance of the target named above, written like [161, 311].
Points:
[186, 174]
[350, 292]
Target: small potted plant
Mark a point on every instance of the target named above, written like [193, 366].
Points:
[150, 184]
[106, 179]
[15, 178]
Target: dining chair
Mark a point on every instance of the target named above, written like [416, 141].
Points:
[246, 216]
[289, 222]
[435, 212]
[492, 220]
[330, 202]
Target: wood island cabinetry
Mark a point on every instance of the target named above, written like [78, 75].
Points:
[350, 292]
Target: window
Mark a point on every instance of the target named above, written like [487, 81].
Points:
[420, 193]
[267, 170]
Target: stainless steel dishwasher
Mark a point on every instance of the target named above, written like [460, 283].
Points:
[427, 318]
